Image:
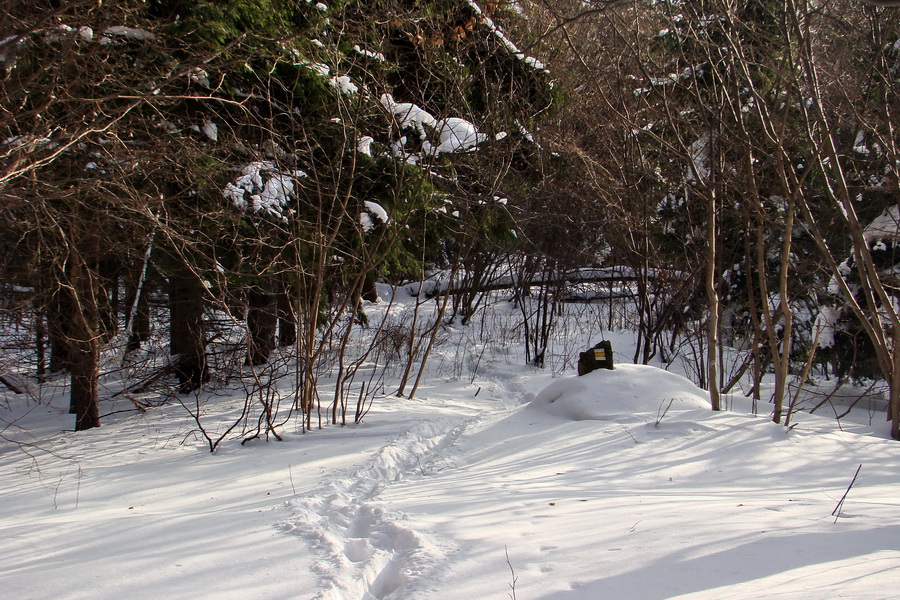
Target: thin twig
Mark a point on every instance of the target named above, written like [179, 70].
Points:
[12, 386]
[661, 414]
[836, 513]
[515, 578]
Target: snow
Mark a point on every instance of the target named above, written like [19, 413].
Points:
[496, 480]
[128, 33]
[505, 41]
[319, 69]
[87, 34]
[210, 130]
[699, 169]
[825, 325]
[686, 75]
[261, 187]
[29, 143]
[200, 76]
[377, 210]
[408, 114]
[369, 53]
[364, 145]
[859, 144]
[637, 389]
[885, 227]
[344, 85]
[455, 135]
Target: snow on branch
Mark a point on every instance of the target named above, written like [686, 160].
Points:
[372, 209]
[261, 187]
[453, 134]
[505, 41]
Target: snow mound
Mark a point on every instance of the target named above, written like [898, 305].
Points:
[605, 395]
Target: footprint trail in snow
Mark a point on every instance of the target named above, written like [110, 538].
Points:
[366, 551]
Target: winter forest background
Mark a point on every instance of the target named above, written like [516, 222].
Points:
[201, 193]
[292, 294]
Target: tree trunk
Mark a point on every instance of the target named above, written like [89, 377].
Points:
[59, 312]
[140, 326]
[894, 388]
[84, 399]
[108, 303]
[287, 318]
[137, 321]
[137, 318]
[40, 342]
[187, 345]
[712, 294]
[262, 319]
[84, 292]
[369, 290]
[782, 356]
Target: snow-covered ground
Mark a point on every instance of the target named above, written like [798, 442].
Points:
[497, 480]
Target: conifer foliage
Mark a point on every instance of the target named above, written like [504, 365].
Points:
[258, 163]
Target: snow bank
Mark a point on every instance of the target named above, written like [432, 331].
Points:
[604, 395]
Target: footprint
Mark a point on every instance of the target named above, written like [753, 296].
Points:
[357, 550]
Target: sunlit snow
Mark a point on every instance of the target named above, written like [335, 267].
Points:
[619, 484]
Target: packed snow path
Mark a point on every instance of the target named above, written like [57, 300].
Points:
[368, 552]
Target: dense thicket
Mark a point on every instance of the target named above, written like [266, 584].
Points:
[750, 148]
[255, 166]
[261, 162]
